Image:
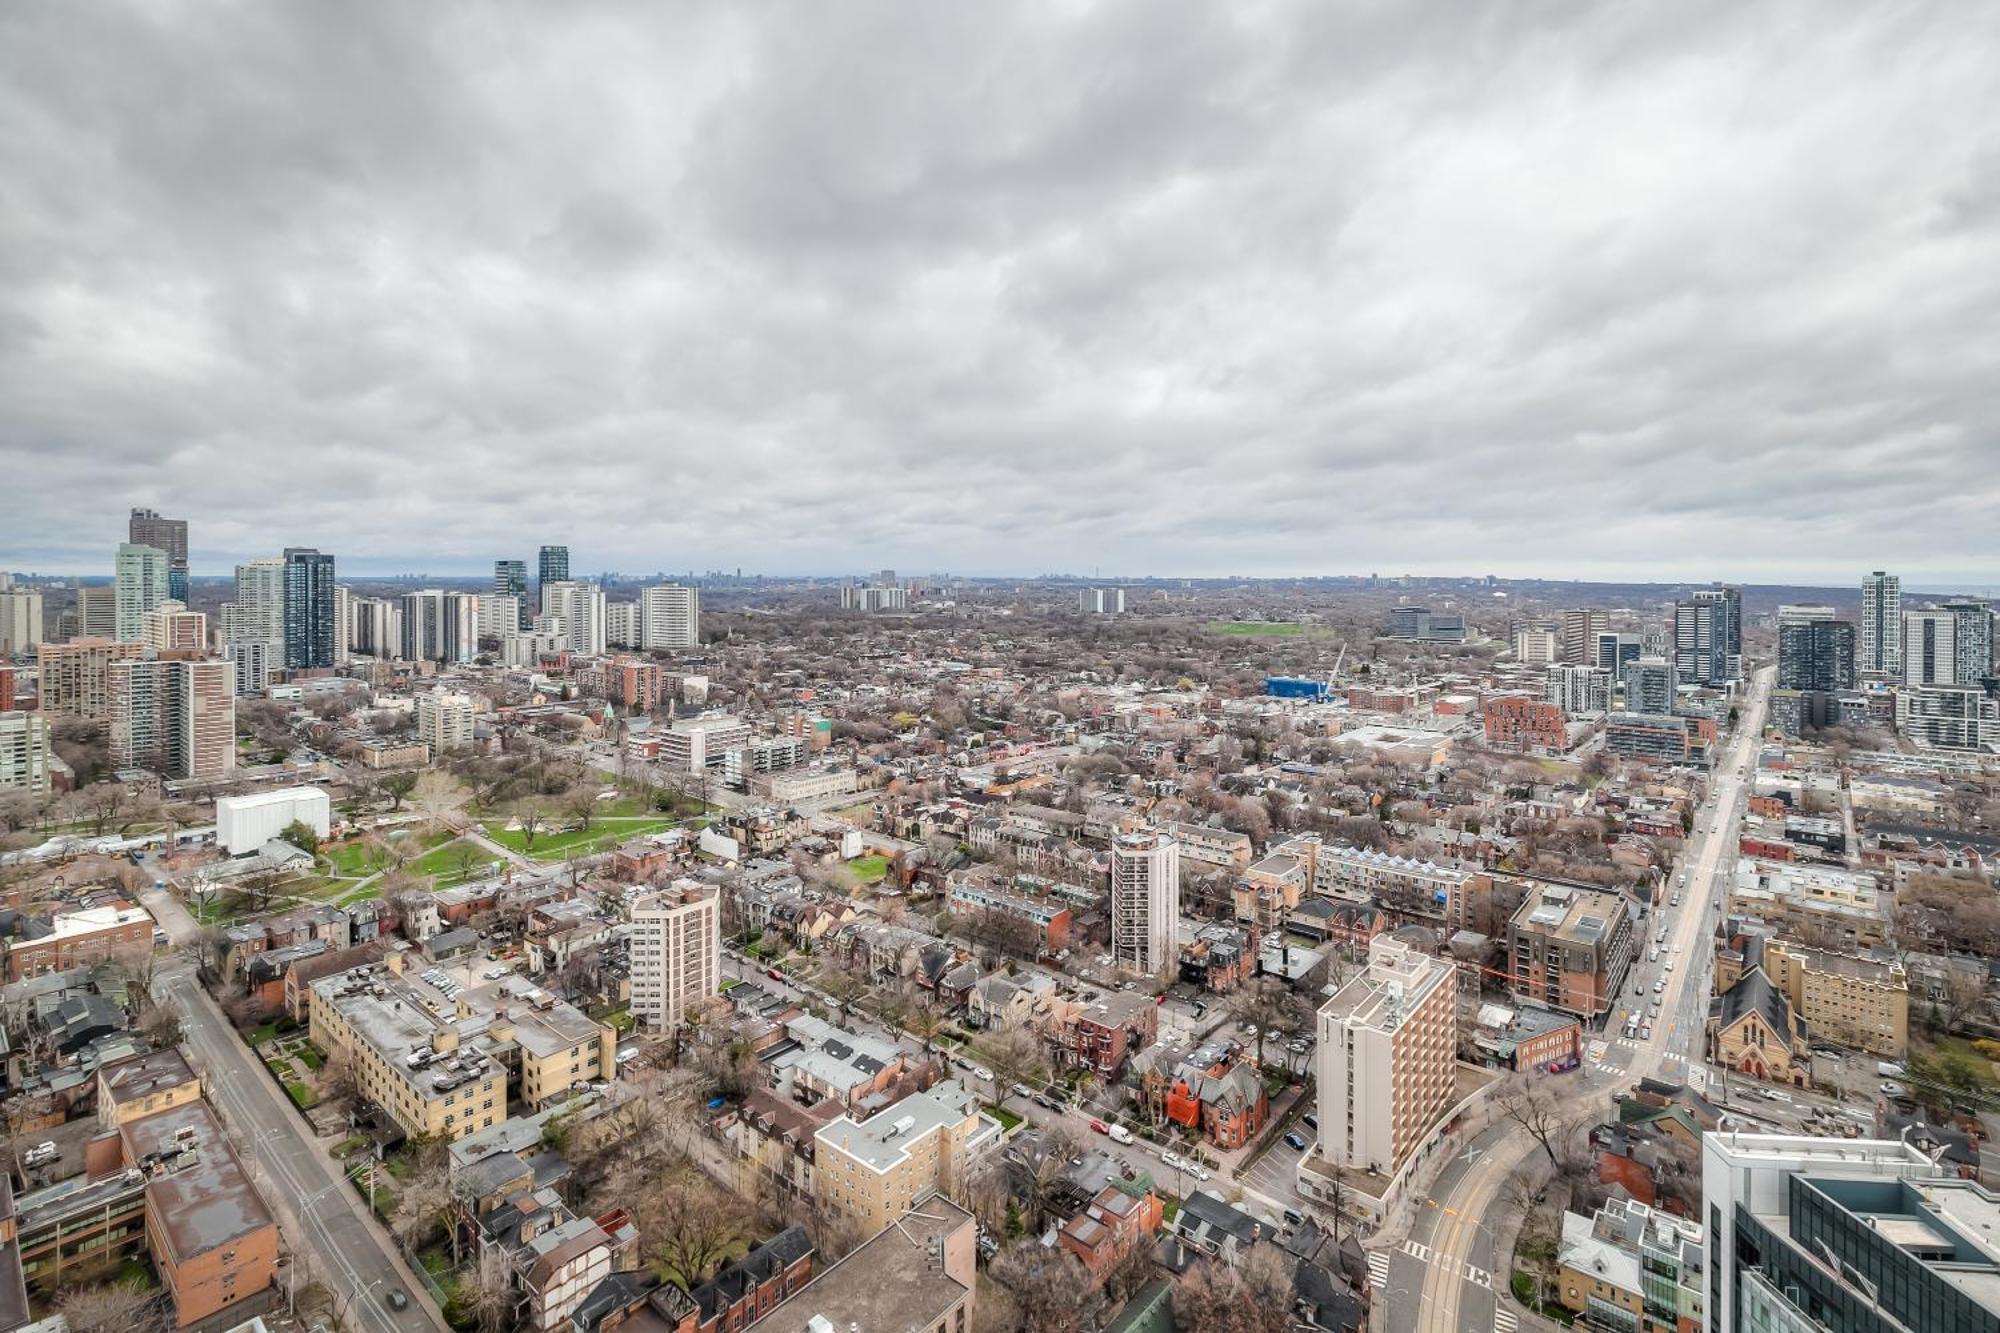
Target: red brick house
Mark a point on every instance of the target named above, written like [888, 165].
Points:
[1111, 1227]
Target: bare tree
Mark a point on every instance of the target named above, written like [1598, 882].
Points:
[113, 1307]
[1052, 1293]
[688, 1224]
[1537, 1106]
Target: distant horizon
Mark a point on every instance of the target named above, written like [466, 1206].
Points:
[1974, 588]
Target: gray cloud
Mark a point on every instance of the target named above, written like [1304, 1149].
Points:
[1669, 292]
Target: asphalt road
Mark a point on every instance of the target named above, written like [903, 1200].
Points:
[321, 1215]
[1447, 1273]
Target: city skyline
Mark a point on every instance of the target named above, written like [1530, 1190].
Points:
[1644, 296]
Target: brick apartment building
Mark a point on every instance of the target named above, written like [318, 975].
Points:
[1523, 722]
[1570, 947]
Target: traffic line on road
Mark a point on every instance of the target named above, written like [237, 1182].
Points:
[1505, 1321]
[1378, 1268]
[1478, 1276]
[1421, 1253]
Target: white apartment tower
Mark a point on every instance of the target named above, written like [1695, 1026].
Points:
[622, 625]
[1579, 689]
[444, 720]
[253, 626]
[670, 616]
[1145, 902]
[141, 586]
[1387, 1059]
[1880, 635]
[1930, 648]
[676, 948]
[24, 753]
[580, 606]
[20, 621]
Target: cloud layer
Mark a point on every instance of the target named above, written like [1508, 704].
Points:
[1625, 291]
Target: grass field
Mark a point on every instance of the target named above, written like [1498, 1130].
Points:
[599, 836]
[1262, 629]
[869, 869]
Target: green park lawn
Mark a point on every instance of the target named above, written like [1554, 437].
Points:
[1267, 629]
[555, 845]
[869, 869]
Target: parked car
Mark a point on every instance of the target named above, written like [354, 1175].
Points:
[1894, 1090]
[1023, 1090]
[1310, 1121]
[397, 1299]
[41, 1152]
[1294, 1142]
[1097, 1127]
[1120, 1134]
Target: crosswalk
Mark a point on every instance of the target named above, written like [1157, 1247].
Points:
[1504, 1319]
[1472, 1272]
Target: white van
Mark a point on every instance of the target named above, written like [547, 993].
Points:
[1119, 1134]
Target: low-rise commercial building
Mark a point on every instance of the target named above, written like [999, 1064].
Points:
[1634, 1268]
[84, 937]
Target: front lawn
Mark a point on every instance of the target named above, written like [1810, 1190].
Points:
[1006, 1117]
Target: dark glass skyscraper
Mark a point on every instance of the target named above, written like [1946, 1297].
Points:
[555, 564]
[308, 608]
[147, 528]
[1817, 655]
[510, 579]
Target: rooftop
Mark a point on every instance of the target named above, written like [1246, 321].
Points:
[891, 1282]
[882, 1141]
[201, 1196]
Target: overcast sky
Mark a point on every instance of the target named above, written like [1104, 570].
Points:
[1667, 291]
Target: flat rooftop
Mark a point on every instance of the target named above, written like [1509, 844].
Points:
[888, 1283]
[202, 1203]
[883, 1140]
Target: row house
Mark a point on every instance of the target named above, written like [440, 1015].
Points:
[743, 1292]
[287, 930]
[558, 932]
[1213, 1090]
[1220, 957]
[1005, 1000]
[1049, 918]
[1101, 1035]
[886, 951]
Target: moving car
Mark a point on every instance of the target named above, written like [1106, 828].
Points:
[397, 1299]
